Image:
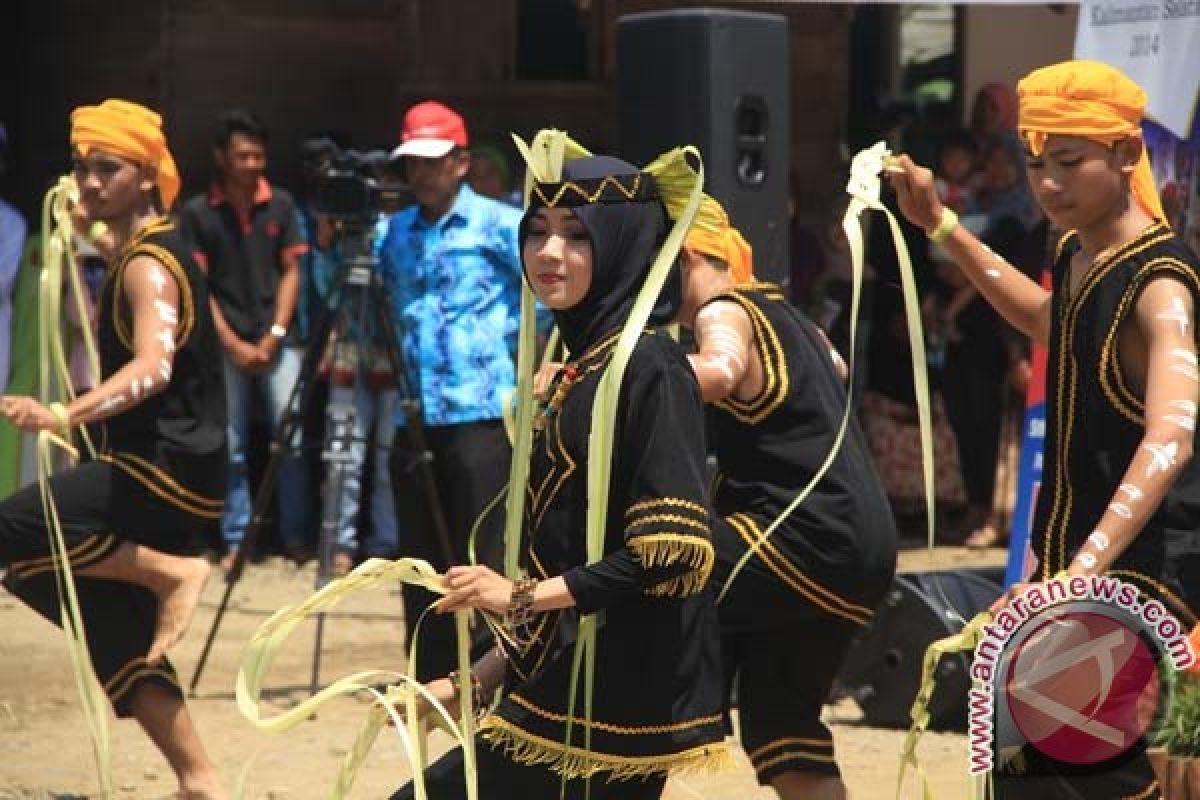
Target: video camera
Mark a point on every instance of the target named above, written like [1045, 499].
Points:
[353, 185]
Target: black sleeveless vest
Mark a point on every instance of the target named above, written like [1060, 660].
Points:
[769, 448]
[1095, 421]
[172, 441]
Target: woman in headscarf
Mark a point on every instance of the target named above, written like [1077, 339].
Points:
[981, 351]
[588, 242]
[993, 114]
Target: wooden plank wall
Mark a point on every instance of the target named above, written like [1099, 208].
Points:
[353, 65]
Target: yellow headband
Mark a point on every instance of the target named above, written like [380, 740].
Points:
[131, 131]
[1092, 100]
[712, 235]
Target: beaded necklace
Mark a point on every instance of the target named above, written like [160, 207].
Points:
[563, 381]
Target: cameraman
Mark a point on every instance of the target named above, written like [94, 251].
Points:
[453, 270]
[354, 360]
[247, 239]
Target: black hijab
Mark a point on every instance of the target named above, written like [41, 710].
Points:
[626, 223]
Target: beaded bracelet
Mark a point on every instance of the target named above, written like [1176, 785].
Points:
[478, 696]
[519, 613]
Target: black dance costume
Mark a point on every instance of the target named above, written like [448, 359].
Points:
[791, 613]
[157, 481]
[657, 701]
[1095, 423]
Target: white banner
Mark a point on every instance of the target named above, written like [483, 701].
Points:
[1155, 42]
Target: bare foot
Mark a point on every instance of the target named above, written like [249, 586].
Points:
[986, 536]
[178, 596]
[208, 793]
[227, 560]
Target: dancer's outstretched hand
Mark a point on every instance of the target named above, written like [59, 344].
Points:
[916, 193]
[1013, 592]
[475, 587]
[27, 414]
[446, 693]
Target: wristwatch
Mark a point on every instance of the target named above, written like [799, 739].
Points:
[278, 331]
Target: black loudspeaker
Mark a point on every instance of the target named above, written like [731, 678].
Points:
[882, 670]
[719, 80]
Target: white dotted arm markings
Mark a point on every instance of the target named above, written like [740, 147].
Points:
[1164, 316]
[154, 299]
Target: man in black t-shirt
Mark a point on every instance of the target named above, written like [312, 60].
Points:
[248, 238]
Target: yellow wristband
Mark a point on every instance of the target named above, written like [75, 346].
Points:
[96, 230]
[62, 417]
[945, 227]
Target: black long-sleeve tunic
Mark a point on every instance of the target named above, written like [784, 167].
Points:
[657, 701]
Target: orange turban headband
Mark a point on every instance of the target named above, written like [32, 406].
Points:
[131, 131]
[1195, 640]
[1092, 100]
[712, 235]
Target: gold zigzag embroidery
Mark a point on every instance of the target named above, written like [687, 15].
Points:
[675, 502]
[551, 202]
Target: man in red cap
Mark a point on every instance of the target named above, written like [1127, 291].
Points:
[452, 268]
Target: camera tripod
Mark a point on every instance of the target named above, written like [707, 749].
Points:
[356, 298]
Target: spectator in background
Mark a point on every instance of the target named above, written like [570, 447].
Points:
[359, 373]
[1007, 219]
[993, 115]
[1004, 194]
[12, 242]
[18, 451]
[248, 239]
[452, 267]
[982, 350]
[956, 171]
[491, 176]
[316, 267]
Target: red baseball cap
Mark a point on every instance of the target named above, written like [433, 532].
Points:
[431, 130]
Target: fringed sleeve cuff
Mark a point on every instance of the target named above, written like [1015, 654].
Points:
[671, 539]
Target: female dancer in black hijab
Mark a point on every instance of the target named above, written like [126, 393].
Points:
[588, 242]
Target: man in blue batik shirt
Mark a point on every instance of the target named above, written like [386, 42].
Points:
[452, 268]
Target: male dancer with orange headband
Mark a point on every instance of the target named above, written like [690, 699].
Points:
[774, 385]
[135, 519]
[1121, 494]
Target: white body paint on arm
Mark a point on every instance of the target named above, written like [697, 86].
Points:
[154, 298]
[1164, 319]
[723, 339]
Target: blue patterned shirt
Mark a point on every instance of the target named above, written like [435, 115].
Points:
[455, 287]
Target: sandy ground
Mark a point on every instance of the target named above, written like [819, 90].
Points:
[45, 753]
